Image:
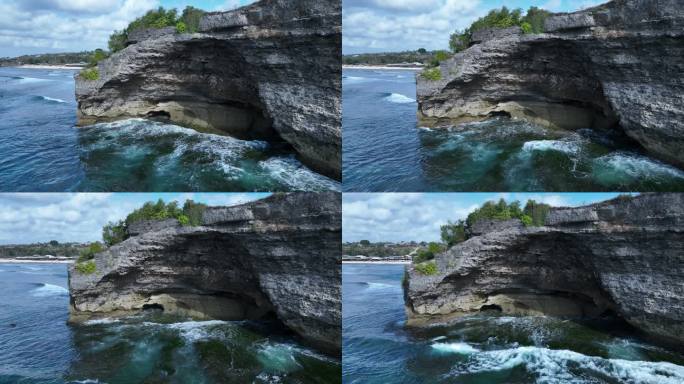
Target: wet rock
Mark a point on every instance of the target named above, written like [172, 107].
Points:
[279, 255]
[624, 256]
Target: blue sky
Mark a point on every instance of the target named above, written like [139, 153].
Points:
[397, 25]
[43, 26]
[40, 217]
[418, 216]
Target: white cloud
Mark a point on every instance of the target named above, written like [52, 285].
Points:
[27, 218]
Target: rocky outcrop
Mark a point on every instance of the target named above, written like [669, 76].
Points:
[616, 66]
[624, 257]
[268, 71]
[279, 255]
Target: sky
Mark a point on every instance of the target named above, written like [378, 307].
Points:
[48, 26]
[79, 217]
[395, 217]
[399, 25]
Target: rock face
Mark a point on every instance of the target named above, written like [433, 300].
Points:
[615, 66]
[624, 256]
[280, 255]
[268, 71]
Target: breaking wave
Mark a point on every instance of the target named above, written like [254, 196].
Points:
[45, 290]
[398, 98]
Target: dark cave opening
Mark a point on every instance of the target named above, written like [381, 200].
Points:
[153, 307]
[491, 308]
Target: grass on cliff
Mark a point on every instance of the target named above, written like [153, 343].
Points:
[86, 267]
[90, 74]
[432, 74]
[427, 269]
[89, 253]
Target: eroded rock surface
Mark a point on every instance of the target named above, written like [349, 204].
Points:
[624, 256]
[280, 255]
[269, 71]
[615, 66]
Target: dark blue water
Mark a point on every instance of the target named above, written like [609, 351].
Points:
[385, 150]
[483, 349]
[44, 151]
[38, 347]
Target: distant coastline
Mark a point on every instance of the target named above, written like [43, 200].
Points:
[37, 261]
[383, 67]
[48, 66]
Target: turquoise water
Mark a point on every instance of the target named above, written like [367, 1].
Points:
[378, 348]
[38, 347]
[43, 150]
[384, 149]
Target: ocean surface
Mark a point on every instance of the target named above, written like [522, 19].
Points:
[43, 150]
[378, 349]
[384, 149]
[38, 347]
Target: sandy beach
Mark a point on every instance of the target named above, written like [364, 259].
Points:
[26, 261]
[381, 67]
[36, 66]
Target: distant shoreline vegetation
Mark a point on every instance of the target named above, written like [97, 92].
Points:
[51, 248]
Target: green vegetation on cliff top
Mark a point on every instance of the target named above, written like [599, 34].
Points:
[532, 22]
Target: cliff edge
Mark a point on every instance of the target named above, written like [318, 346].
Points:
[615, 66]
[270, 71]
[624, 256]
[280, 255]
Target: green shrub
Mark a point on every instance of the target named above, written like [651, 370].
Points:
[191, 18]
[114, 233]
[86, 267]
[526, 220]
[526, 27]
[117, 41]
[432, 74]
[183, 220]
[181, 27]
[97, 56]
[423, 255]
[90, 74]
[427, 268]
[89, 253]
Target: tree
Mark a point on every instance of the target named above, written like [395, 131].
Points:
[535, 18]
[453, 233]
[114, 233]
[117, 41]
[54, 243]
[365, 243]
[422, 51]
[191, 18]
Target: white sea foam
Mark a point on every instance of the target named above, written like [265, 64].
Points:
[279, 357]
[399, 99]
[195, 330]
[560, 366]
[289, 171]
[31, 80]
[459, 348]
[569, 147]
[634, 165]
[355, 79]
[374, 286]
[49, 290]
[46, 98]
[105, 320]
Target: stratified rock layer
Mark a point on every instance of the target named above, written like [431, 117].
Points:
[623, 256]
[616, 66]
[279, 255]
[269, 71]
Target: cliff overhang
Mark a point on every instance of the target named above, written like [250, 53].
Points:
[622, 257]
[279, 256]
[616, 66]
[266, 71]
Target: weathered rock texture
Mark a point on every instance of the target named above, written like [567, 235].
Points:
[269, 71]
[624, 256]
[280, 255]
[615, 66]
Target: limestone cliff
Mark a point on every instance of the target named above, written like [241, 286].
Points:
[270, 70]
[615, 66]
[624, 256]
[279, 255]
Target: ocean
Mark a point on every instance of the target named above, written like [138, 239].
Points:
[384, 149]
[485, 349]
[43, 150]
[38, 347]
